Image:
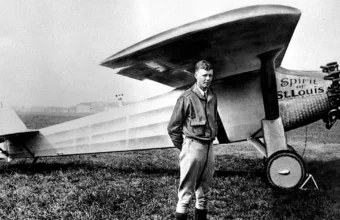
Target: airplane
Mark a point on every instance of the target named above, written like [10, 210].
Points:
[258, 100]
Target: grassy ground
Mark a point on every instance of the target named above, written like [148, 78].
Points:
[143, 185]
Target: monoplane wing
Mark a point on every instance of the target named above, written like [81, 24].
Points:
[231, 41]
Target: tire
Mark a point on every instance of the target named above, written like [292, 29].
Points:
[285, 169]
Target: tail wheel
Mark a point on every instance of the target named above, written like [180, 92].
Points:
[285, 169]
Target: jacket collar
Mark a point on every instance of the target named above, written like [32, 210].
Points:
[195, 89]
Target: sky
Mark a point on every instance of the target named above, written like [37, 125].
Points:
[50, 51]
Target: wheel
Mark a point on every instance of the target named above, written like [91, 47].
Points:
[285, 169]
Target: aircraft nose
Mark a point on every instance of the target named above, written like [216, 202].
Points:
[333, 92]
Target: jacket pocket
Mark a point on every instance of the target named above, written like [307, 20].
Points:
[198, 126]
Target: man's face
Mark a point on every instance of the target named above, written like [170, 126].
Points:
[204, 78]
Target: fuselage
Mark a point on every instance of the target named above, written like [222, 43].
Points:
[301, 94]
[302, 97]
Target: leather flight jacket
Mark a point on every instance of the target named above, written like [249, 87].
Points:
[194, 116]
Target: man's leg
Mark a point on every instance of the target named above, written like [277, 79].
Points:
[192, 159]
[204, 189]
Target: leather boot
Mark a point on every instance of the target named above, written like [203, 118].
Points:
[201, 214]
[181, 216]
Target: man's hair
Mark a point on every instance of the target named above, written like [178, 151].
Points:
[203, 64]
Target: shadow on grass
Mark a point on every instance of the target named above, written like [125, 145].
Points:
[311, 203]
[231, 173]
[48, 168]
[45, 167]
[125, 165]
[327, 176]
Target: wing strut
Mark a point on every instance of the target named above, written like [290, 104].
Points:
[268, 83]
[272, 125]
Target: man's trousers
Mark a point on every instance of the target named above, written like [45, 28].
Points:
[197, 164]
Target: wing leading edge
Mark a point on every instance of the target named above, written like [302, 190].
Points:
[231, 41]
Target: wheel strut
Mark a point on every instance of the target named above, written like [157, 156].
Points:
[272, 125]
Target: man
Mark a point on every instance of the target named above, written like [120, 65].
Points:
[195, 117]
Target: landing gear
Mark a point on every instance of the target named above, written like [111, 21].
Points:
[285, 169]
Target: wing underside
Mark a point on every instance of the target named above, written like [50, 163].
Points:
[231, 41]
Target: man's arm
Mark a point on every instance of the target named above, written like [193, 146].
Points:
[175, 125]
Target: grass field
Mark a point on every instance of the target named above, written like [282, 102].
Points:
[143, 185]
